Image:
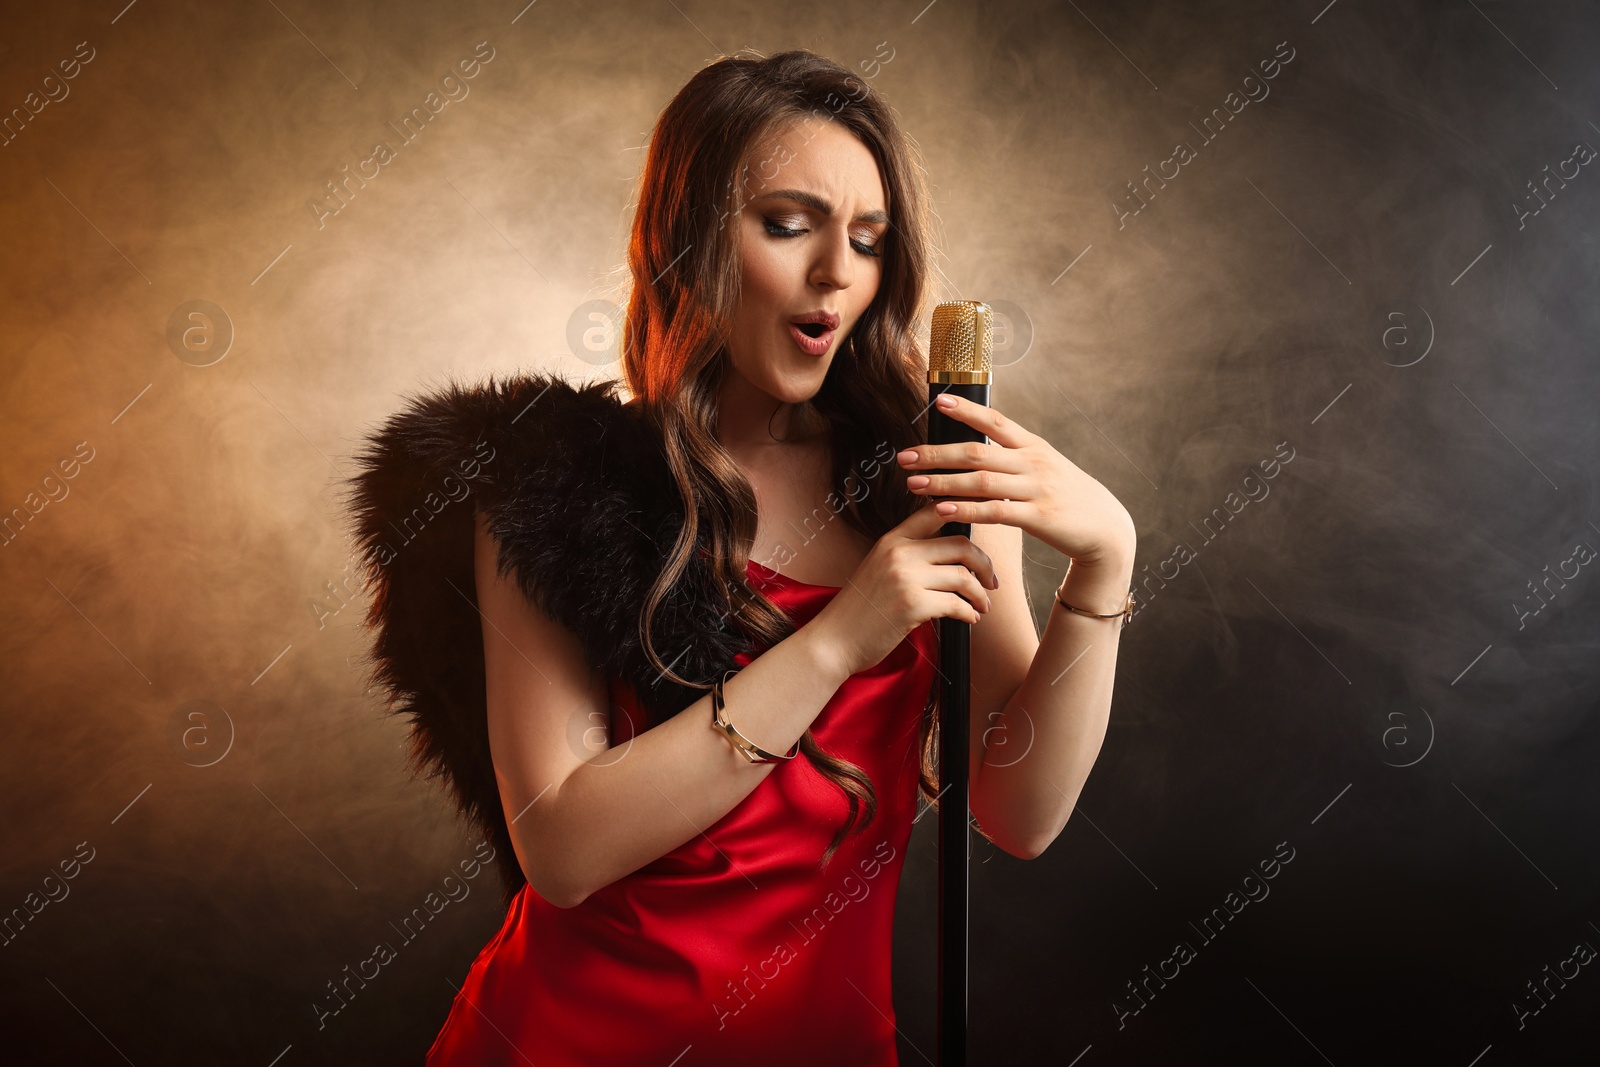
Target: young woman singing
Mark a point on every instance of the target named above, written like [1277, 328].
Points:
[683, 672]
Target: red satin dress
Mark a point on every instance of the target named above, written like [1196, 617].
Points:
[732, 949]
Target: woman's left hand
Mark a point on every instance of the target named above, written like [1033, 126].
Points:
[1019, 479]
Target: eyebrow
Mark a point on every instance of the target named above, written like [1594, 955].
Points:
[816, 203]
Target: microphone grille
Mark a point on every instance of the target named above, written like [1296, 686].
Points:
[961, 338]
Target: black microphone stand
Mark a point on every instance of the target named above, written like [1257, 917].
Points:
[955, 657]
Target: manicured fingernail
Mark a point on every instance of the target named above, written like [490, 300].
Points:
[946, 401]
[917, 481]
[945, 508]
[908, 456]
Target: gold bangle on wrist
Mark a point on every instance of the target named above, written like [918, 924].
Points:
[741, 744]
[1124, 613]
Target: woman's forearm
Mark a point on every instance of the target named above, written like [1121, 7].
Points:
[1065, 701]
[638, 801]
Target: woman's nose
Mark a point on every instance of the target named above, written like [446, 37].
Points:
[834, 269]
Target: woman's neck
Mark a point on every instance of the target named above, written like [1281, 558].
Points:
[751, 422]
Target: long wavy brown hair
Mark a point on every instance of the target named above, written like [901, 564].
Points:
[684, 259]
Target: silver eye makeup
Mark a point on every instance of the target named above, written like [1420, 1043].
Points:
[777, 229]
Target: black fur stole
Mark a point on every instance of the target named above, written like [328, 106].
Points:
[582, 506]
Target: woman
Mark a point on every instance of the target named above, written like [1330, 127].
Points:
[694, 892]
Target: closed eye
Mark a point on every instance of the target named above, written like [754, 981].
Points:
[779, 230]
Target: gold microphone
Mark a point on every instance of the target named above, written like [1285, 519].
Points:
[961, 344]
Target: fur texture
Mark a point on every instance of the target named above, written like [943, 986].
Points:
[583, 510]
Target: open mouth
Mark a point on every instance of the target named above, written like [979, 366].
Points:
[813, 338]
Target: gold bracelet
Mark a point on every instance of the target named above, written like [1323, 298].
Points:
[1125, 613]
[742, 744]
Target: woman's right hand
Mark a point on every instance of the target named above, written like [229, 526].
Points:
[910, 576]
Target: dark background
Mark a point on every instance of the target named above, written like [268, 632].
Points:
[1349, 272]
